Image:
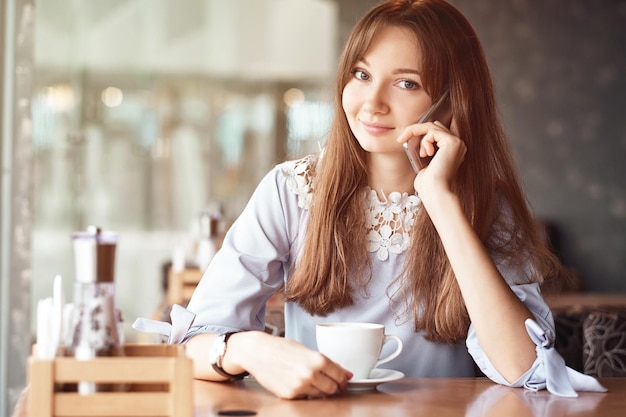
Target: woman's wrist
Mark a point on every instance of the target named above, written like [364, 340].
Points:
[439, 204]
[241, 347]
[217, 353]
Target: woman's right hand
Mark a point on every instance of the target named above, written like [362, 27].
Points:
[284, 367]
[287, 368]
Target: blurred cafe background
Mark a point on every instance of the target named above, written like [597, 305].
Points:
[140, 116]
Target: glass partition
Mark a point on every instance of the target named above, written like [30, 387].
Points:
[148, 113]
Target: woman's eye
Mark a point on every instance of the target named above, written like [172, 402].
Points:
[408, 84]
[361, 75]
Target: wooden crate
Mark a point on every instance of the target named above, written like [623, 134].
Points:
[158, 380]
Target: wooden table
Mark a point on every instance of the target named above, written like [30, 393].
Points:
[411, 397]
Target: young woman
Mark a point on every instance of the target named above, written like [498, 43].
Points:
[448, 259]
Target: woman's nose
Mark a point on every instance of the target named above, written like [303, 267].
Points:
[375, 99]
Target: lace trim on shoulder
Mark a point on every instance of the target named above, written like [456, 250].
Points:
[389, 221]
[299, 179]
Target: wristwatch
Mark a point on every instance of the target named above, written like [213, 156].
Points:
[216, 356]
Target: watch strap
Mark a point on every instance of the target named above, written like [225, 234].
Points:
[217, 365]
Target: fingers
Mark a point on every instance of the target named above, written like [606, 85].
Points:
[433, 136]
[331, 377]
[415, 130]
[298, 372]
[323, 385]
[428, 145]
[428, 134]
[316, 384]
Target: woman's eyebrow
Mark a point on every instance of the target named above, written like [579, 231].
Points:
[406, 71]
[396, 71]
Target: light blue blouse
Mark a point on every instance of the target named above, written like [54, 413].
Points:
[262, 245]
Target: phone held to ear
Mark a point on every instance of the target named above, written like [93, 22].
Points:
[441, 111]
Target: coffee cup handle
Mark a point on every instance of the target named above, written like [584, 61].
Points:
[392, 355]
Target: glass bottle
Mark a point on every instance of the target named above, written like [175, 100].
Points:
[95, 321]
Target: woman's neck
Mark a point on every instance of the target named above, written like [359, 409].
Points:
[388, 173]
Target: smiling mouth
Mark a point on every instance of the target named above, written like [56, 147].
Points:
[376, 128]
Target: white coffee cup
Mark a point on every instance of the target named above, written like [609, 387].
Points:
[355, 346]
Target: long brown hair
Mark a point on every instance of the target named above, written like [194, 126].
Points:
[335, 250]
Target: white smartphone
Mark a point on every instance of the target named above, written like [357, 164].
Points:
[441, 111]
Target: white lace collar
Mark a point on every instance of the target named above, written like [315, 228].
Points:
[389, 221]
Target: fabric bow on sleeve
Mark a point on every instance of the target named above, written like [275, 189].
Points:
[182, 320]
[559, 379]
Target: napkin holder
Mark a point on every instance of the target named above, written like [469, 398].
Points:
[158, 378]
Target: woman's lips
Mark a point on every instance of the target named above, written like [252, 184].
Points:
[376, 128]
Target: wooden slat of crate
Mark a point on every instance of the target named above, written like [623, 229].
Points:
[41, 387]
[160, 350]
[135, 404]
[158, 376]
[119, 369]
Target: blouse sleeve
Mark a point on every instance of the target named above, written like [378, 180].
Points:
[549, 369]
[251, 263]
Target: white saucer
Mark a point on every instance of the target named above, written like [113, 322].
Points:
[377, 376]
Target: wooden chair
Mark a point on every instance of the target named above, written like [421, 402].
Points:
[181, 285]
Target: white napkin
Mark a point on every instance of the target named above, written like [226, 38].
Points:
[50, 322]
[45, 347]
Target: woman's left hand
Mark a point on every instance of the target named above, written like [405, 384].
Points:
[450, 153]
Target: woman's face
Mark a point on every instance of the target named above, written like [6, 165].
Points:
[385, 93]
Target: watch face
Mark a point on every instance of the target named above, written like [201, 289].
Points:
[218, 349]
